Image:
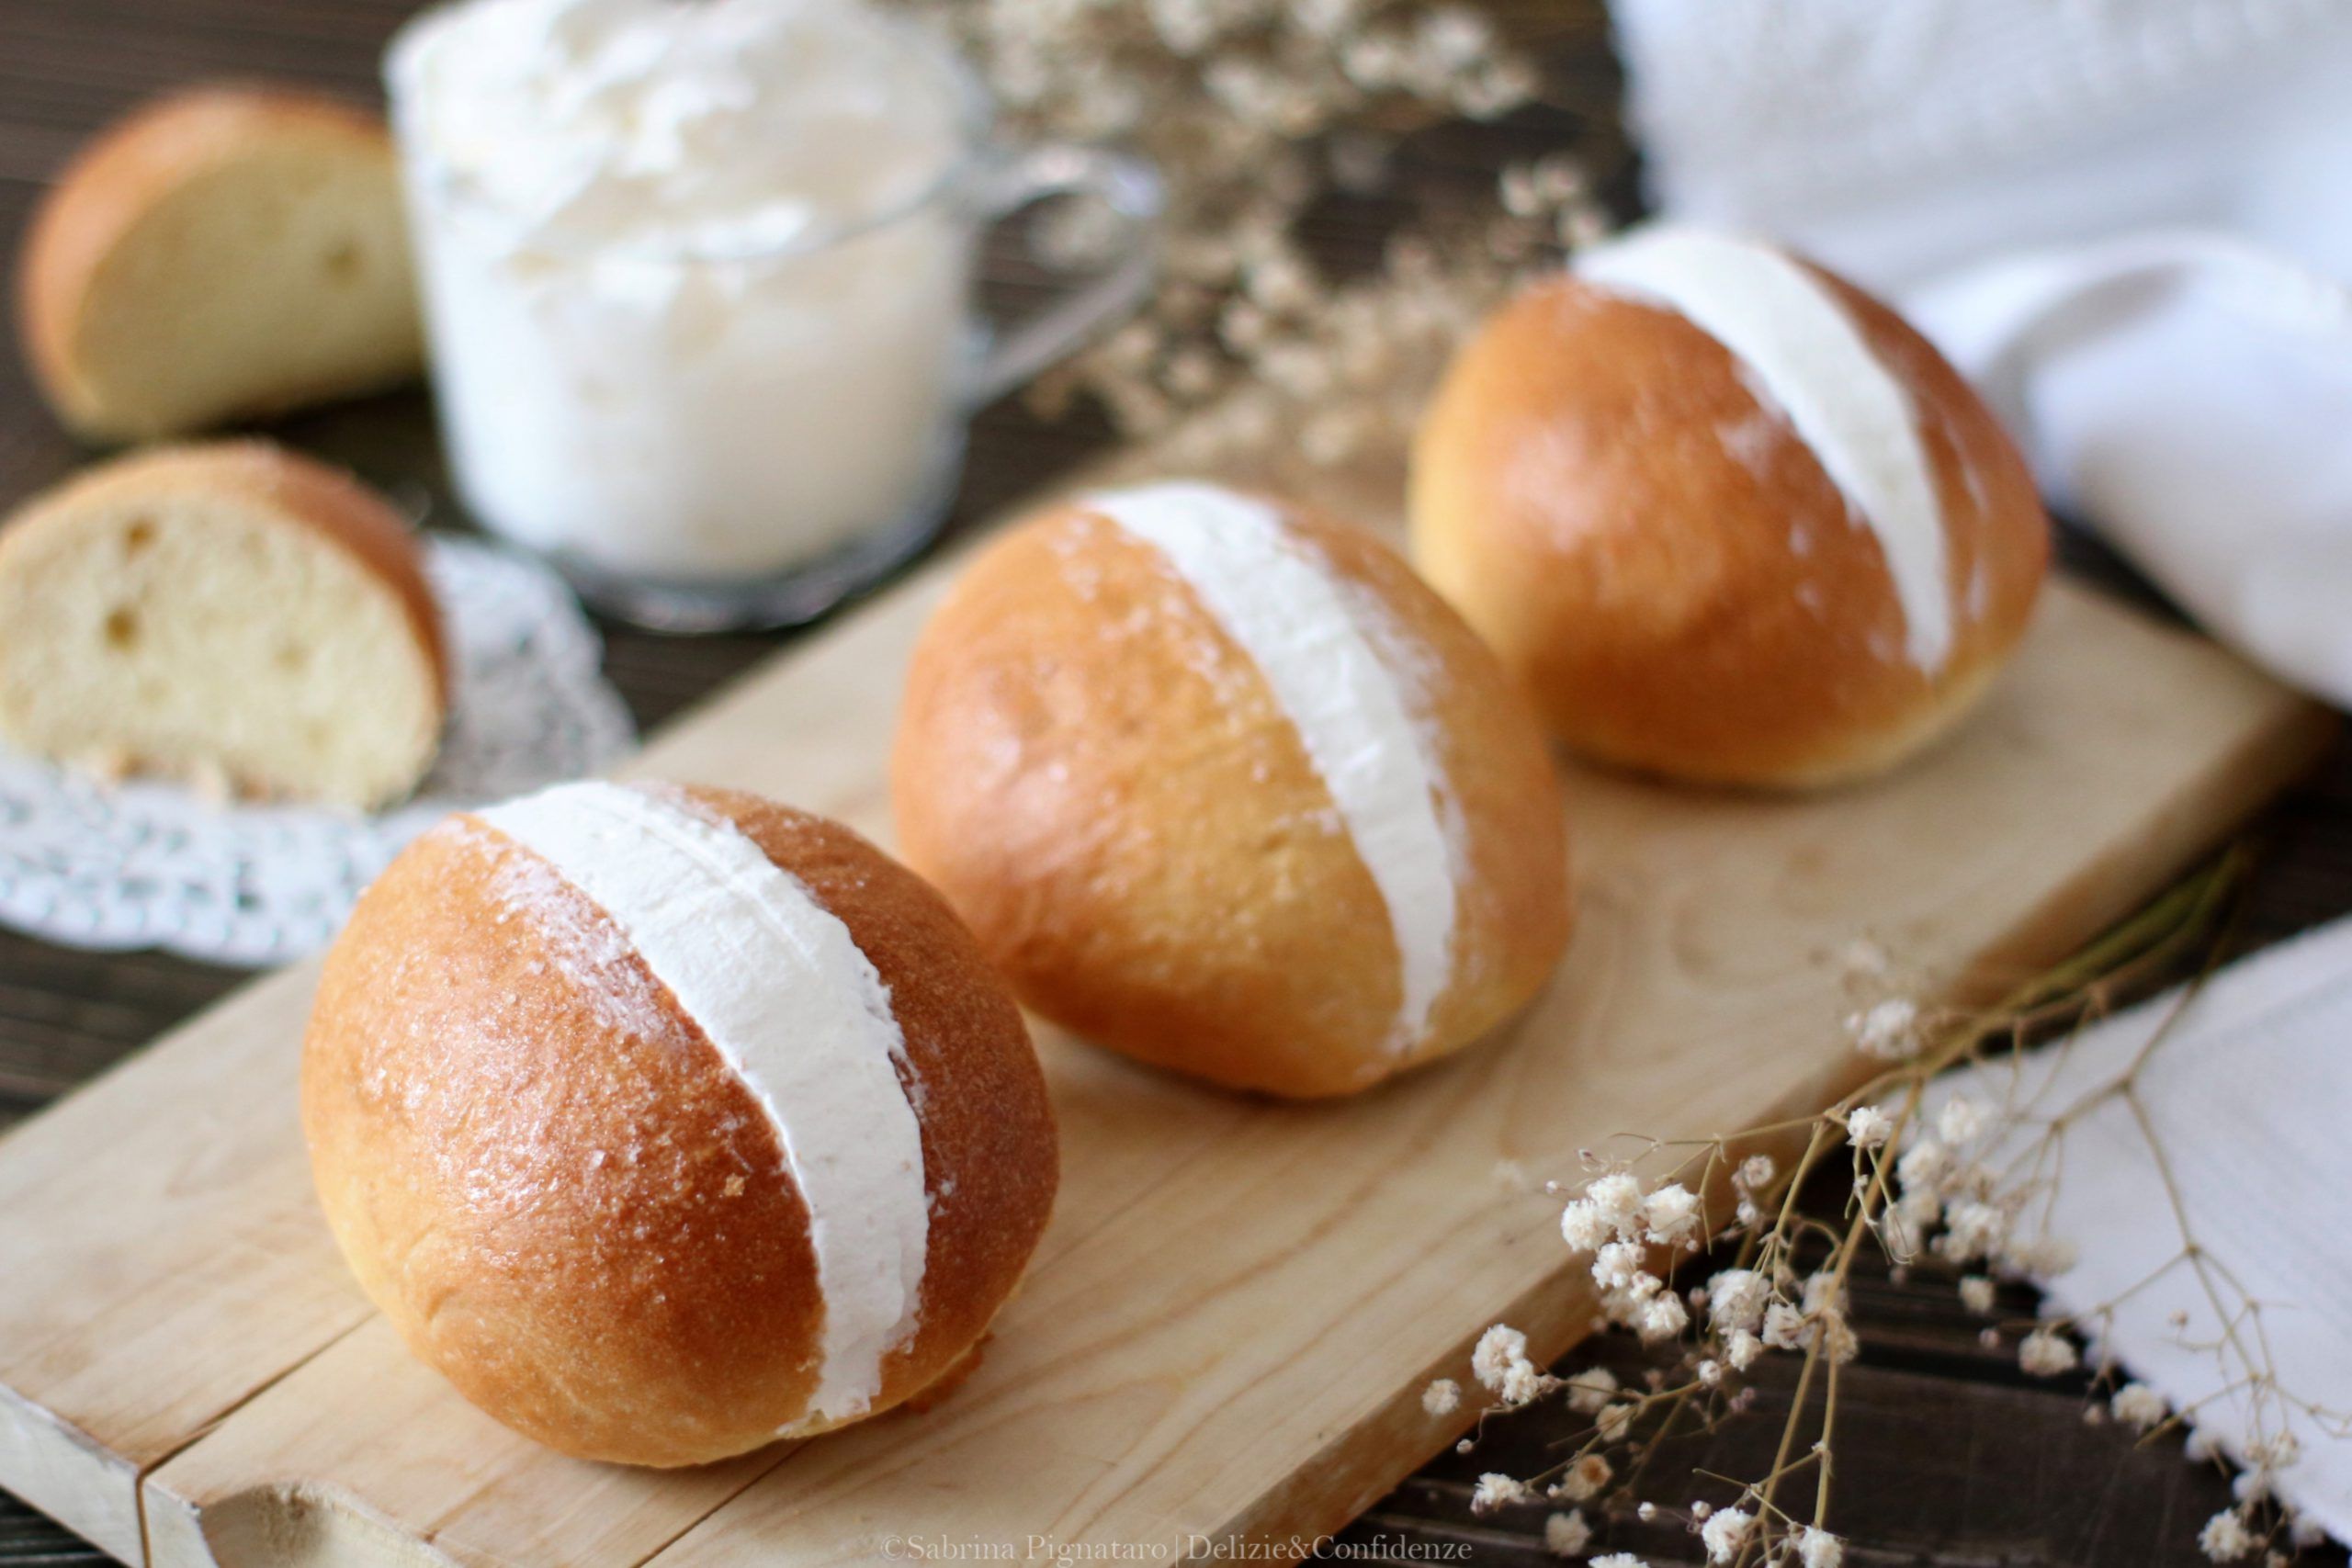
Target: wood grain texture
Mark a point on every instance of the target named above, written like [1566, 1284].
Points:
[1943, 1487]
[1167, 1372]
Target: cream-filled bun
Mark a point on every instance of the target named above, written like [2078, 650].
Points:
[1219, 783]
[1725, 516]
[666, 1122]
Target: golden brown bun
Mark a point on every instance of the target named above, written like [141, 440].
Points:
[1576, 497]
[1101, 782]
[591, 1229]
[233, 609]
[222, 252]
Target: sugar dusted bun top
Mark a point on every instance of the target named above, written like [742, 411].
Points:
[1320, 660]
[707, 1118]
[1724, 515]
[1218, 784]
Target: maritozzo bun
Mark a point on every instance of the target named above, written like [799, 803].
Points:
[1220, 784]
[665, 1122]
[1725, 516]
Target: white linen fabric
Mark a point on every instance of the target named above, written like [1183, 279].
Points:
[2240, 1102]
[2126, 217]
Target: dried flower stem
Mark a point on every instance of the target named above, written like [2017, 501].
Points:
[1911, 1180]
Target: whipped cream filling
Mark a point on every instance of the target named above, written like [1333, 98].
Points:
[1282, 605]
[777, 983]
[1806, 357]
[715, 127]
[696, 274]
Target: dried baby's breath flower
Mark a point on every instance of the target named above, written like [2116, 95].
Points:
[2137, 1406]
[1888, 1030]
[1977, 1294]
[1867, 1127]
[1618, 1266]
[1971, 1230]
[1619, 1559]
[2044, 1258]
[1755, 1171]
[1499, 1349]
[1784, 1326]
[1923, 1167]
[2045, 1354]
[1442, 1397]
[2225, 1538]
[1736, 1299]
[1904, 1224]
[1567, 1534]
[1496, 1491]
[1500, 1364]
[1671, 1213]
[1660, 1317]
[1252, 108]
[1725, 1533]
[1959, 1121]
[1618, 1197]
[1838, 1341]
[1582, 1481]
[1819, 1549]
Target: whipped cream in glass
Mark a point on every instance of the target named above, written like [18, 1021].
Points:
[698, 281]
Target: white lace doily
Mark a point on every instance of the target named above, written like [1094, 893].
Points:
[144, 864]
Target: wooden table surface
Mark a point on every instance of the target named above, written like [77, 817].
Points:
[1947, 1454]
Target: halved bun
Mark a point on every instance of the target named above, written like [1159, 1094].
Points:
[233, 612]
[221, 254]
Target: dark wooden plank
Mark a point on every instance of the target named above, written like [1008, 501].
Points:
[28, 1539]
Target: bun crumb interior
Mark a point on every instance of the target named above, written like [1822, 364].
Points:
[231, 615]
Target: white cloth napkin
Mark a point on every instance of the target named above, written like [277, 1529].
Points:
[2247, 1096]
[2127, 218]
[2191, 395]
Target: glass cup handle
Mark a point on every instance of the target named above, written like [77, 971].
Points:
[1131, 188]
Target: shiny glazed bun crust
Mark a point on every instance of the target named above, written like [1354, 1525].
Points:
[1103, 780]
[1613, 499]
[568, 1201]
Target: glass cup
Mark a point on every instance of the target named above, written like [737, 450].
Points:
[707, 438]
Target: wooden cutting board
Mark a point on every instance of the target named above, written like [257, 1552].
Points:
[1230, 1321]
